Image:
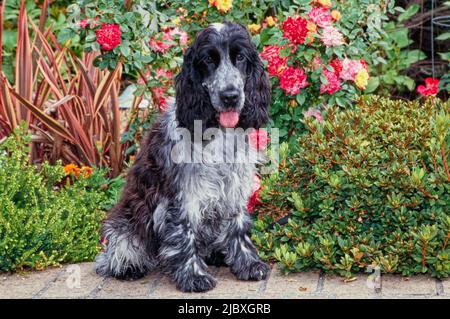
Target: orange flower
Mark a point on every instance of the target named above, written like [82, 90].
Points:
[72, 168]
[336, 15]
[312, 28]
[87, 171]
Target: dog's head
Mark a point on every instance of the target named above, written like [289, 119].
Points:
[222, 81]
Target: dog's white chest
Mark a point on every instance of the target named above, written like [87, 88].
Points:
[217, 189]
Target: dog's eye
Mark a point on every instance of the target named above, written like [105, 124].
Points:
[240, 57]
[209, 59]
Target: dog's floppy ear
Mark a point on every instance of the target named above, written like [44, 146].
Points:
[257, 93]
[190, 95]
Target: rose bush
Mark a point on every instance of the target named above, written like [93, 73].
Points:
[311, 64]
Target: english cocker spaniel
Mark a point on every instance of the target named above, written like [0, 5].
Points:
[184, 204]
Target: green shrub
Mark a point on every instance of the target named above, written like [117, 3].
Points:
[368, 187]
[45, 217]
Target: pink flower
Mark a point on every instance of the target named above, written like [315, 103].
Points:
[162, 73]
[164, 100]
[314, 113]
[331, 36]
[108, 36]
[259, 139]
[333, 83]
[295, 29]
[431, 87]
[292, 80]
[317, 61]
[254, 198]
[349, 69]
[83, 23]
[320, 16]
[161, 43]
[183, 35]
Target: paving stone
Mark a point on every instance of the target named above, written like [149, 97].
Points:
[295, 285]
[26, 284]
[446, 285]
[229, 287]
[395, 285]
[75, 281]
[335, 287]
[123, 289]
[62, 283]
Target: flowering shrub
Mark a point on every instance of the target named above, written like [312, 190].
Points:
[311, 64]
[368, 186]
[136, 34]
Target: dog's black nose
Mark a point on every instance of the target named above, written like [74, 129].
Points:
[229, 97]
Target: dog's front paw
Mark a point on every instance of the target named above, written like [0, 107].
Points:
[196, 283]
[256, 270]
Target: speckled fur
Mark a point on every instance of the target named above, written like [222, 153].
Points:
[176, 216]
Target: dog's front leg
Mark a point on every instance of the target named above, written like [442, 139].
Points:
[178, 256]
[242, 256]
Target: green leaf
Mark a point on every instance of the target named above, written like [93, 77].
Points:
[443, 36]
[65, 35]
[372, 84]
[400, 37]
[412, 10]
[444, 55]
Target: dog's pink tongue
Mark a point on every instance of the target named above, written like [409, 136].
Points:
[229, 119]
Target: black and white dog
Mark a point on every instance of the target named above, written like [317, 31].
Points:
[179, 216]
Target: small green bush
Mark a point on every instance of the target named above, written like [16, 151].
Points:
[368, 187]
[45, 217]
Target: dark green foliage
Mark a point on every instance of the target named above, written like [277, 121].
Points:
[368, 186]
[45, 217]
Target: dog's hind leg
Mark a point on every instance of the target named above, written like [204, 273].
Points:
[124, 256]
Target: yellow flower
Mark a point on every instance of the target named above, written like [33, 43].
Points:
[254, 28]
[336, 15]
[312, 28]
[362, 78]
[87, 171]
[325, 3]
[270, 21]
[176, 21]
[72, 168]
[222, 5]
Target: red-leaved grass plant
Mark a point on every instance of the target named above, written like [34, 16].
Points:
[70, 107]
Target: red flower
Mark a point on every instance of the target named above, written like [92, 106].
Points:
[431, 87]
[295, 29]
[336, 64]
[254, 199]
[292, 80]
[271, 54]
[320, 16]
[108, 36]
[333, 83]
[259, 139]
[364, 64]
